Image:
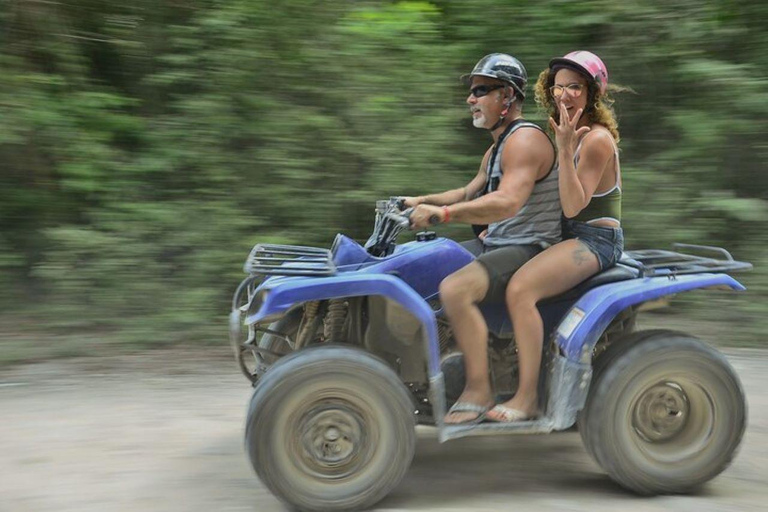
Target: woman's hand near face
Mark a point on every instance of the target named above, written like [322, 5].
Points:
[566, 134]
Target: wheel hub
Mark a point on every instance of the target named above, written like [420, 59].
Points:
[661, 412]
[332, 437]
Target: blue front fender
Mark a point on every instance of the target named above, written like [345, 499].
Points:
[582, 327]
[296, 291]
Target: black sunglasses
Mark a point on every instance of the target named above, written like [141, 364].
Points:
[479, 91]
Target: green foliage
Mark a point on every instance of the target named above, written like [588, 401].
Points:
[146, 147]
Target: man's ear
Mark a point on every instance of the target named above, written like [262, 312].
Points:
[507, 106]
[510, 96]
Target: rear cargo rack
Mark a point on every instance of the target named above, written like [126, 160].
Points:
[289, 260]
[658, 262]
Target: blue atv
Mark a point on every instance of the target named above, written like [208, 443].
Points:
[348, 350]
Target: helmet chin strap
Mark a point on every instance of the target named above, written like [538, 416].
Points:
[504, 112]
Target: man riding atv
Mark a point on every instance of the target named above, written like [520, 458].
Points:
[515, 194]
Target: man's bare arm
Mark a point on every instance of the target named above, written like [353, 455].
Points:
[456, 195]
[524, 155]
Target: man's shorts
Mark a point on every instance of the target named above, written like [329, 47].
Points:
[500, 263]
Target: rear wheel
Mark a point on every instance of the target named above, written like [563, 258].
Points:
[665, 415]
[604, 360]
[330, 428]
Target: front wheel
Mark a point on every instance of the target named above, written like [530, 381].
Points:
[330, 428]
[666, 415]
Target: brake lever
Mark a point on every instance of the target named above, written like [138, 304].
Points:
[402, 219]
[398, 202]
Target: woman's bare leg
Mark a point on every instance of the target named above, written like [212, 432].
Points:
[554, 271]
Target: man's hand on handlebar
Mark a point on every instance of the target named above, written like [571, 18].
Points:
[411, 202]
[425, 215]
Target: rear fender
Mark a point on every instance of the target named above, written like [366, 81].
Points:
[586, 321]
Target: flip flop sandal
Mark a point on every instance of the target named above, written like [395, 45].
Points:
[503, 414]
[460, 407]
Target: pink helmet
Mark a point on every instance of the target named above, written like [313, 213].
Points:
[586, 62]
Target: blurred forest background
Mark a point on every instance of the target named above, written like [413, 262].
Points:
[146, 146]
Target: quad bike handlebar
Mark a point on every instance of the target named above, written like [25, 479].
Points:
[391, 219]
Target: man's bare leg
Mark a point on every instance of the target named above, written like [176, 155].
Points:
[459, 294]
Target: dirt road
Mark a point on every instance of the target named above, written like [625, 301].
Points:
[162, 431]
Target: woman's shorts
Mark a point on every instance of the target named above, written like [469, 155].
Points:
[500, 263]
[605, 243]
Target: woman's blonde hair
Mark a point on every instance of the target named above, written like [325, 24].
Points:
[599, 109]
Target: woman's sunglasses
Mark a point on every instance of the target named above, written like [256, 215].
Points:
[574, 90]
[479, 91]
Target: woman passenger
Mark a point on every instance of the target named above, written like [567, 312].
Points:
[573, 91]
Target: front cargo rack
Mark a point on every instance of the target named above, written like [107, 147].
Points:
[289, 260]
[658, 262]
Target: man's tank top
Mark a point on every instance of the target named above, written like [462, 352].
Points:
[538, 221]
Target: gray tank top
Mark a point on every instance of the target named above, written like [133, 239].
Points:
[538, 221]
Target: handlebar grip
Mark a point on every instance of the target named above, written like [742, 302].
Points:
[434, 219]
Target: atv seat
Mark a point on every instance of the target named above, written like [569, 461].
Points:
[625, 269]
